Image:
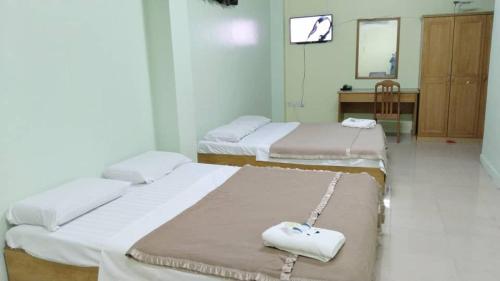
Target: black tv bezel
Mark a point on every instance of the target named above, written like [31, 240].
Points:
[306, 43]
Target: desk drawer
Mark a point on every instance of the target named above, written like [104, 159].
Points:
[367, 97]
[356, 97]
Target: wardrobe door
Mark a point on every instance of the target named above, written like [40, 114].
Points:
[484, 74]
[465, 95]
[436, 61]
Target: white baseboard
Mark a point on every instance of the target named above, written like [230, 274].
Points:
[492, 171]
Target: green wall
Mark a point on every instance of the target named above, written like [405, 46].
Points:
[231, 56]
[184, 80]
[162, 73]
[491, 145]
[74, 93]
[208, 65]
[169, 53]
[277, 60]
[331, 65]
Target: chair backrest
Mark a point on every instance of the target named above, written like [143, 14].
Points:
[386, 97]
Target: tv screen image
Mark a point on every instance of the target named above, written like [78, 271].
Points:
[315, 29]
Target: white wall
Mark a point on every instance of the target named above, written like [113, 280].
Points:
[491, 145]
[74, 93]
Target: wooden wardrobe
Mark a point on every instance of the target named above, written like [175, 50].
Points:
[454, 75]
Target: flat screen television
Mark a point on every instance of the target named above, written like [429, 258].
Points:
[314, 29]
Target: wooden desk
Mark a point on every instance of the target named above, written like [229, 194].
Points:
[362, 100]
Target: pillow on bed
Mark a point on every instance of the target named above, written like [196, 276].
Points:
[253, 121]
[147, 167]
[233, 132]
[58, 206]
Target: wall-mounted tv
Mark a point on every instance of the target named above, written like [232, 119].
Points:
[315, 29]
[228, 2]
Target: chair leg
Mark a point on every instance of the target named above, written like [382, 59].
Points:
[399, 130]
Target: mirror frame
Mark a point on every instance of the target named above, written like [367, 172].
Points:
[398, 19]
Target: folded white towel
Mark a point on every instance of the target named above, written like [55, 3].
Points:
[303, 240]
[359, 123]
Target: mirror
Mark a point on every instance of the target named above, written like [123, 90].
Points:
[377, 47]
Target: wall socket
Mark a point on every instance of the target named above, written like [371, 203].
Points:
[296, 104]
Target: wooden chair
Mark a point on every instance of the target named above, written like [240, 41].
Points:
[387, 104]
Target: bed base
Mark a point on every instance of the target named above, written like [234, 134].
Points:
[23, 267]
[242, 160]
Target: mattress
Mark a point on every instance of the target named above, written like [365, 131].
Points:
[81, 241]
[115, 265]
[226, 240]
[258, 144]
[103, 237]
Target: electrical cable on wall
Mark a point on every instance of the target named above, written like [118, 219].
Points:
[304, 79]
[322, 38]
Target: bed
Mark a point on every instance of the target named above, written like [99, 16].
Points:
[93, 246]
[256, 149]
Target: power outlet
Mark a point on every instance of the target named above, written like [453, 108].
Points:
[296, 104]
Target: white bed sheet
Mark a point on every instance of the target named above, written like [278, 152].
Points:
[81, 241]
[255, 143]
[115, 266]
[258, 144]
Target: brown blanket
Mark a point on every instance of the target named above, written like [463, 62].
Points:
[221, 234]
[331, 141]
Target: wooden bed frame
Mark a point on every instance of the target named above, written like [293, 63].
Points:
[241, 160]
[23, 267]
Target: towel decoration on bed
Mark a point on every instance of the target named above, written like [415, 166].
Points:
[359, 123]
[304, 239]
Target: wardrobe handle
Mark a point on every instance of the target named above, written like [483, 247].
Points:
[468, 82]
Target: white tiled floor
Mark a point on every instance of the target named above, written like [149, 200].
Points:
[444, 219]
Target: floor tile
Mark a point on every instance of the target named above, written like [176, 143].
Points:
[443, 223]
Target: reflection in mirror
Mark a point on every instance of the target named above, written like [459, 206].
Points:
[378, 49]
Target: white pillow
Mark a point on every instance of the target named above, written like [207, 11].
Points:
[251, 120]
[147, 167]
[58, 206]
[233, 132]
